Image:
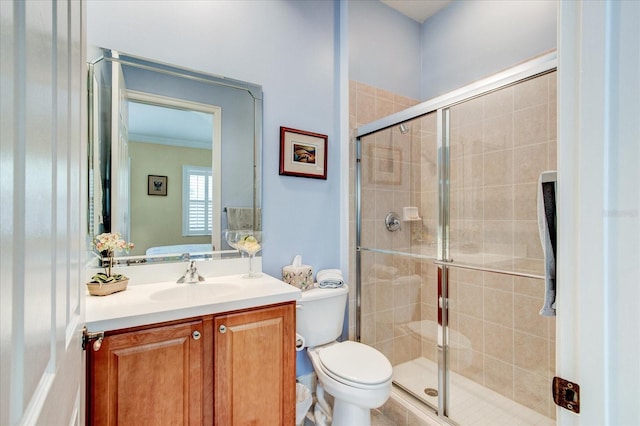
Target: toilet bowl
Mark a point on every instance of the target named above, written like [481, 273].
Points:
[357, 376]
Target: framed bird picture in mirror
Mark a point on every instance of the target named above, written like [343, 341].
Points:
[157, 185]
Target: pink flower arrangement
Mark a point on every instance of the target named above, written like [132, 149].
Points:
[109, 243]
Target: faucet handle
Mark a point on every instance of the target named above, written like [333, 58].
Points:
[194, 275]
[195, 272]
[190, 273]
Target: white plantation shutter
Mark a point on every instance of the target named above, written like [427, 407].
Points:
[197, 203]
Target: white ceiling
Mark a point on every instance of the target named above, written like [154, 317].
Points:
[418, 10]
[169, 126]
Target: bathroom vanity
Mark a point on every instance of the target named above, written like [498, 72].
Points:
[216, 352]
[220, 352]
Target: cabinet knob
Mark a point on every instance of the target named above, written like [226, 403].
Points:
[196, 335]
[222, 329]
[97, 344]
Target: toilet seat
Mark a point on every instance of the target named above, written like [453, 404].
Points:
[355, 364]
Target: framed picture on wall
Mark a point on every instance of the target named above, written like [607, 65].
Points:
[303, 153]
[157, 185]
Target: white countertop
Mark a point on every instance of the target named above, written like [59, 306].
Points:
[167, 301]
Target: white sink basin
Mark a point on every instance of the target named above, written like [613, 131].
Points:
[151, 303]
[196, 291]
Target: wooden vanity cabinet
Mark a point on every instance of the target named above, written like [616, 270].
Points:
[148, 376]
[254, 365]
[236, 368]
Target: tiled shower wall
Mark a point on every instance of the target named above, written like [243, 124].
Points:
[366, 104]
[500, 142]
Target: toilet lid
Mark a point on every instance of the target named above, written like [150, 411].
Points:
[356, 363]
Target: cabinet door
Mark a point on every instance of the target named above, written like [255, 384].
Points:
[148, 377]
[254, 366]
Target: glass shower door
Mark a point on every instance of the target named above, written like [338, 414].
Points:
[398, 277]
[501, 351]
[449, 260]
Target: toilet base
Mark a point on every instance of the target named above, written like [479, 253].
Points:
[345, 414]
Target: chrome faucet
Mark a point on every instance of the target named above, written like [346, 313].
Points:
[191, 275]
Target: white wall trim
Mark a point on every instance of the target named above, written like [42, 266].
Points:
[342, 21]
[599, 209]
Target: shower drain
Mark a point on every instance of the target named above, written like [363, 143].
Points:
[431, 391]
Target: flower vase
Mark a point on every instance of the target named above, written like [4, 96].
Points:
[107, 283]
[104, 289]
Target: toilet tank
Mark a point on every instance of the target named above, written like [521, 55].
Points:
[320, 315]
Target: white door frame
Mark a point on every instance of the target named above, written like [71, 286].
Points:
[43, 139]
[598, 277]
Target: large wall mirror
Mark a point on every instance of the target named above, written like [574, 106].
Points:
[174, 156]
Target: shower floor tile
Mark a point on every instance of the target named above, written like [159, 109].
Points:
[470, 403]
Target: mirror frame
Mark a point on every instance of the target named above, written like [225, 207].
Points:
[254, 90]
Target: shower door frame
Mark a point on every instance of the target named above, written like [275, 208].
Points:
[440, 105]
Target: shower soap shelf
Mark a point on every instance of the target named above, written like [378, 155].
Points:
[410, 214]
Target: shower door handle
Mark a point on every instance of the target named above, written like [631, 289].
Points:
[443, 303]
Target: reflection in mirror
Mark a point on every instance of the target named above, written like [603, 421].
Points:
[174, 156]
[180, 136]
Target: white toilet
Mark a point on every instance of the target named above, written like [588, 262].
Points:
[356, 375]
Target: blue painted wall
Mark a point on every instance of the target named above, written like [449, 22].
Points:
[384, 48]
[469, 40]
[288, 47]
[464, 42]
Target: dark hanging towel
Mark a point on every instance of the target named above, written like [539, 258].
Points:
[547, 228]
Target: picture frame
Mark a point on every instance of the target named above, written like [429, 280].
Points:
[157, 185]
[303, 153]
